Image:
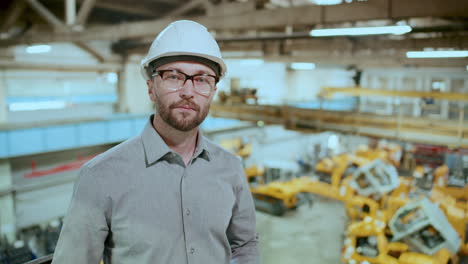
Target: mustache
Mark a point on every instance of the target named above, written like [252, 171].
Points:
[183, 103]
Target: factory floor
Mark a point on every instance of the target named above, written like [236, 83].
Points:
[305, 235]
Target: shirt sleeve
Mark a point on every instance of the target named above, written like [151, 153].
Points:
[241, 231]
[85, 227]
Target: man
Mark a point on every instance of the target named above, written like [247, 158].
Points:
[168, 195]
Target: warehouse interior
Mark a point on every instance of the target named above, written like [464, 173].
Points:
[354, 140]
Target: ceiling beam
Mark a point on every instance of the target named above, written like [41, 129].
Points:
[354, 44]
[107, 67]
[320, 44]
[293, 16]
[364, 61]
[185, 8]
[92, 51]
[84, 12]
[413, 129]
[13, 13]
[46, 14]
[134, 9]
[70, 12]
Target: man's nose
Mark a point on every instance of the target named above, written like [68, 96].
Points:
[188, 89]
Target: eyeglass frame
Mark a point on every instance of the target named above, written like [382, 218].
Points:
[187, 77]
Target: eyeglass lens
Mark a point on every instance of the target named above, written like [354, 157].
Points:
[174, 80]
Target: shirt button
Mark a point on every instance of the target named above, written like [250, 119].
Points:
[192, 250]
[187, 212]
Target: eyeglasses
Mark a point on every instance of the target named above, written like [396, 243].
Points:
[174, 80]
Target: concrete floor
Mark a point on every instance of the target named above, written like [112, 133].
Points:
[305, 235]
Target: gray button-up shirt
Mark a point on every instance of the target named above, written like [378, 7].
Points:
[139, 203]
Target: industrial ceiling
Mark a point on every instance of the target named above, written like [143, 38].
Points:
[271, 29]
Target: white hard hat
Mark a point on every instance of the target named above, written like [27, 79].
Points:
[183, 38]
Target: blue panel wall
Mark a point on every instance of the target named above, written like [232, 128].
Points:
[17, 142]
[92, 133]
[25, 141]
[138, 125]
[120, 129]
[3, 144]
[60, 137]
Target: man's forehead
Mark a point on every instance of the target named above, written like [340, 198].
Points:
[189, 67]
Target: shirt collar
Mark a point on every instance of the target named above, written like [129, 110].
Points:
[201, 149]
[155, 148]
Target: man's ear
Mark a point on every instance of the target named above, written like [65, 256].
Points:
[151, 90]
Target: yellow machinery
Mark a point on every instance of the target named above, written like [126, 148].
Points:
[334, 175]
[424, 226]
[374, 194]
[359, 207]
[237, 146]
[239, 96]
[453, 202]
[427, 178]
[274, 197]
[366, 243]
[277, 197]
[389, 152]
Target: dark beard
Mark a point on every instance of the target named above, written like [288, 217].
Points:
[181, 124]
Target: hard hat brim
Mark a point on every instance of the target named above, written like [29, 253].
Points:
[145, 64]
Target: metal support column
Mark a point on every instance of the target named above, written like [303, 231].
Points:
[3, 102]
[70, 12]
[7, 212]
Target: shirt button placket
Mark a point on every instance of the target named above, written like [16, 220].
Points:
[186, 222]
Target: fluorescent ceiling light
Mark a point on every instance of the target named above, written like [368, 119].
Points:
[326, 2]
[32, 106]
[38, 49]
[437, 54]
[397, 30]
[112, 77]
[302, 66]
[251, 62]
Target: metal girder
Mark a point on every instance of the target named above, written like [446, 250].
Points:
[70, 12]
[381, 44]
[15, 10]
[185, 8]
[413, 129]
[84, 12]
[46, 14]
[84, 46]
[298, 42]
[362, 60]
[107, 67]
[358, 91]
[135, 9]
[233, 8]
[280, 17]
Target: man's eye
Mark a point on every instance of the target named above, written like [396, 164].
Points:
[172, 76]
